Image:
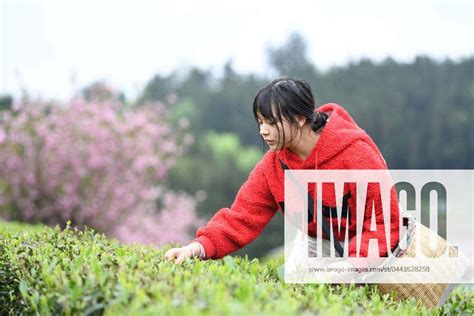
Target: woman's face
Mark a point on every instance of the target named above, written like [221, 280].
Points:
[269, 132]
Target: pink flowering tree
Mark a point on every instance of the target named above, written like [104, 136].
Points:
[96, 163]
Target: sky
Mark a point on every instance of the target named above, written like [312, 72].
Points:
[52, 48]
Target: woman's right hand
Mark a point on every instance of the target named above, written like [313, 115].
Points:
[178, 255]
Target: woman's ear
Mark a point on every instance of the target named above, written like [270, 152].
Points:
[301, 120]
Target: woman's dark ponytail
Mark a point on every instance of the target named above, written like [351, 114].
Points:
[319, 119]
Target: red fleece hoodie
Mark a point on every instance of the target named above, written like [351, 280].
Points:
[342, 145]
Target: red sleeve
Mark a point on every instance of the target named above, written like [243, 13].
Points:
[362, 155]
[231, 229]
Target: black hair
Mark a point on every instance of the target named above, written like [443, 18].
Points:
[288, 96]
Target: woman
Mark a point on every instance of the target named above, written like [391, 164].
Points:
[301, 137]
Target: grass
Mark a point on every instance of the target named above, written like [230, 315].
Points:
[51, 271]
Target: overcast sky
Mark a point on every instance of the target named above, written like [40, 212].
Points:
[44, 43]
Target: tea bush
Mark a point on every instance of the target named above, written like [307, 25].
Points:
[51, 271]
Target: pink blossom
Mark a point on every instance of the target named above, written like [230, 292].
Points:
[86, 163]
[3, 135]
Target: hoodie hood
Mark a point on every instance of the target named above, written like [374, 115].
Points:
[339, 132]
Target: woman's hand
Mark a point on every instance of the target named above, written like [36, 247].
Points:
[178, 255]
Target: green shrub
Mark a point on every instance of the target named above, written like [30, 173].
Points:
[52, 271]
